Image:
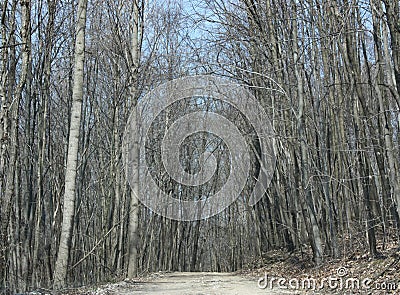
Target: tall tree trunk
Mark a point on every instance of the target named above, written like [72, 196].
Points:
[60, 270]
[315, 230]
[134, 203]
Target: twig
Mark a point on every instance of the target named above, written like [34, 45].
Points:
[95, 246]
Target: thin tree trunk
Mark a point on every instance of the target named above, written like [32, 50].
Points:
[60, 270]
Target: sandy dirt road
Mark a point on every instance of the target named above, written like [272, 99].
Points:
[200, 283]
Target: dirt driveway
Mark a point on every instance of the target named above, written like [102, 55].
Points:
[200, 283]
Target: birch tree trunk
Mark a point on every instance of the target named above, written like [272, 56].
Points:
[60, 270]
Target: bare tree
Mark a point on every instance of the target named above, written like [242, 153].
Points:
[61, 266]
[137, 31]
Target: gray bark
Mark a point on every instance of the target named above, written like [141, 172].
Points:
[134, 203]
[61, 266]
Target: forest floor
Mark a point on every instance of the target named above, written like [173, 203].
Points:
[277, 273]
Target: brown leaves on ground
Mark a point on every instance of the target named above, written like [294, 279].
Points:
[383, 271]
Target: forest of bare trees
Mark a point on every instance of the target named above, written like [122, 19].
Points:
[327, 74]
